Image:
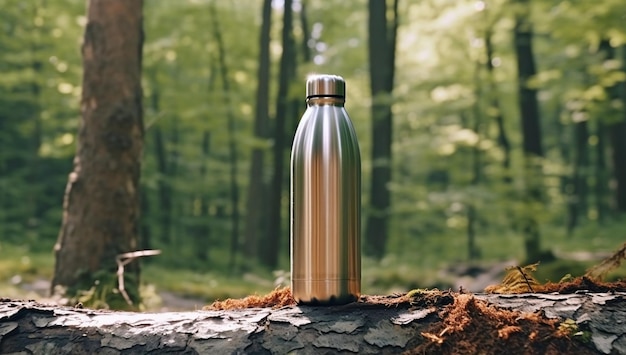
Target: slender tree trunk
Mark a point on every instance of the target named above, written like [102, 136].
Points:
[531, 129]
[203, 237]
[177, 199]
[164, 211]
[232, 142]
[618, 147]
[495, 110]
[472, 211]
[601, 181]
[618, 141]
[101, 206]
[577, 204]
[270, 248]
[617, 128]
[306, 33]
[256, 214]
[382, 46]
[34, 173]
[164, 189]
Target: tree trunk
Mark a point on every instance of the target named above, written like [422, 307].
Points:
[256, 214]
[269, 250]
[35, 173]
[164, 189]
[232, 144]
[203, 235]
[362, 328]
[616, 127]
[577, 199]
[618, 148]
[601, 180]
[495, 110]
[306, 33]
[101, 206]
[531, 130]
[382, 46]
[618, 143]
[473, 252]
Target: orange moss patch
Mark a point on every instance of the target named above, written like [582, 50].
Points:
[582, 283]
[472, 326]
[280, 297]
[466, 325]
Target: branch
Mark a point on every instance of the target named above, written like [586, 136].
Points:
[124, 259]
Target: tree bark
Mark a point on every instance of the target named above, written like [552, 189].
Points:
[255, 213]
[618, 148]
[382, 46]
[494, 108]
[616, 126]
[306, 32]
[577, 199]
[618, 143]
[233, 156]
[101, 206]
[357, 328]
[473, 251]
[269, 250]
[601, 179]
[531, 129]
[203, 227]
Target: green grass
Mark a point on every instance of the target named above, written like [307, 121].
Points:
[19, 264]
[20, 260]
[205, 286]
[412, 262]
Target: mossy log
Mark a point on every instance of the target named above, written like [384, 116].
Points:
[27, 327]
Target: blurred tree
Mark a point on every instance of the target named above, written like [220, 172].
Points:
[617, 129]
[233, 156]
[270, 248]
[382, 32]
[457, 145]
[35, 71]
[101, 207]
[256, 214]
[495, 108]
[165, 168]
[577, 201]
[531, 128]
[600, 172]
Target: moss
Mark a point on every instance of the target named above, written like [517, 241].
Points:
[471, 326]
[100, 291]
[279, 297]
[465, 325]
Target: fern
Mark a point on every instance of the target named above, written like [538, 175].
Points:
[599, 272]
[517, 279]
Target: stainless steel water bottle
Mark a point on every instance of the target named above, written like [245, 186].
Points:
[325, 198]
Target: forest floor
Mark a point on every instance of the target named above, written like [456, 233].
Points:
[469, 277]
[25, 272]
[166, 301]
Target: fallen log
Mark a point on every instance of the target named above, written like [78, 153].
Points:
[28, 327]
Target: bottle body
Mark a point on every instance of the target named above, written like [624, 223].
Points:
[325, 206]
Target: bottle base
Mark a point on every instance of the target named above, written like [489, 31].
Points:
[325, 292]
[332, 301]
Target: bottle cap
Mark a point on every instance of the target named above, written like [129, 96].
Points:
[325, 85]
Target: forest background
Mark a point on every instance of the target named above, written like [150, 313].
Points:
[491, 133]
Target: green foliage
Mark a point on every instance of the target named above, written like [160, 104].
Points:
[444, 119]
[100, 290]
[571, 329]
